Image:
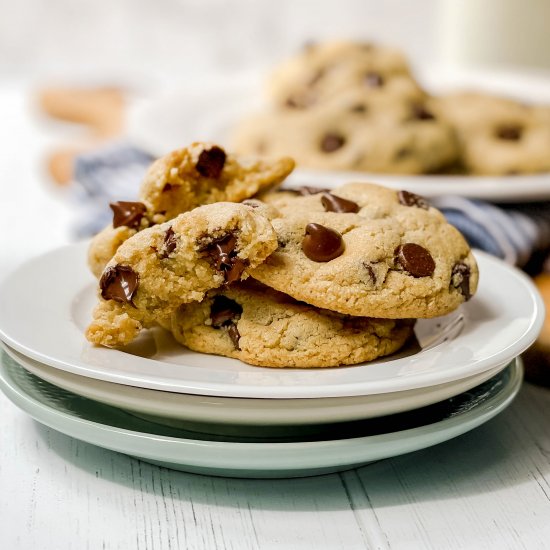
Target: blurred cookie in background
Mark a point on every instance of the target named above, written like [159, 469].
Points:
[321, 71]
[498, 136]
[355, 131]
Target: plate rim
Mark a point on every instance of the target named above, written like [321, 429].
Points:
[409, 439]
[292, 415]
[219, 389]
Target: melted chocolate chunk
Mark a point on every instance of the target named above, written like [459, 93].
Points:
[419, 112]
[509, 132]
[322, 244]
[128, 214]
[412, 199]
[233, 333]
[224, 312]
[211, 162]
[169, 244]
[460, 279]
[415, 259]
[225, 258]
[332, 203]
[332, 142]
[374, 80]
[119, 283]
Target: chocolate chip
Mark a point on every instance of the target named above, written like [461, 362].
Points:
[211, 162]
[511, 132]
[169, 186]
[460, 279]
[224, 312]
[233, 333]
[412, 199]
[403, 153]
[332, 203]
[415, 259]
[322, 244]
[419, 112]
[169, 244]
[359, 108]
[119, 283]
[374, 79]
[223, 252]
[370, 271]
[128, 214]
[332, 142]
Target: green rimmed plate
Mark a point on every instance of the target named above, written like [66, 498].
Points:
[338, 447]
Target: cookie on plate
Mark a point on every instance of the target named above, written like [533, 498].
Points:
[498, 136]
[180, 181]
[167, 265]
[353, 132]
[369, 251]
[323, 70]
[264, 327]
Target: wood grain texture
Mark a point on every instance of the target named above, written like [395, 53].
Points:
[487, 489]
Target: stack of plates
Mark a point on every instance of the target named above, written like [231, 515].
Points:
[201, 413]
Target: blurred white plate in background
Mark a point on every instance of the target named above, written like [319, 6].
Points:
[207, 111]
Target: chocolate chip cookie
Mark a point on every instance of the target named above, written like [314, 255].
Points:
[323, 70]
[264, 327]
[369, 251]
[353, 132]
[182, 180]
[177, 262]
[498, 136]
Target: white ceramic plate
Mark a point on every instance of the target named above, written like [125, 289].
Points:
[182, 410]
[341, 447]
[209, 110]
[46, 304]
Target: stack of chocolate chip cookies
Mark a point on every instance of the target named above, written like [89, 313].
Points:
[284, 278]
[356, 106]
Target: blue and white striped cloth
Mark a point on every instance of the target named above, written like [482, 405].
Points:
[511, 232]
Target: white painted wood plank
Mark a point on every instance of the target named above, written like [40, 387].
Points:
[60, 494]
[487, 489]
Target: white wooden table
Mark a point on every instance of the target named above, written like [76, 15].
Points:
[487, 489]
